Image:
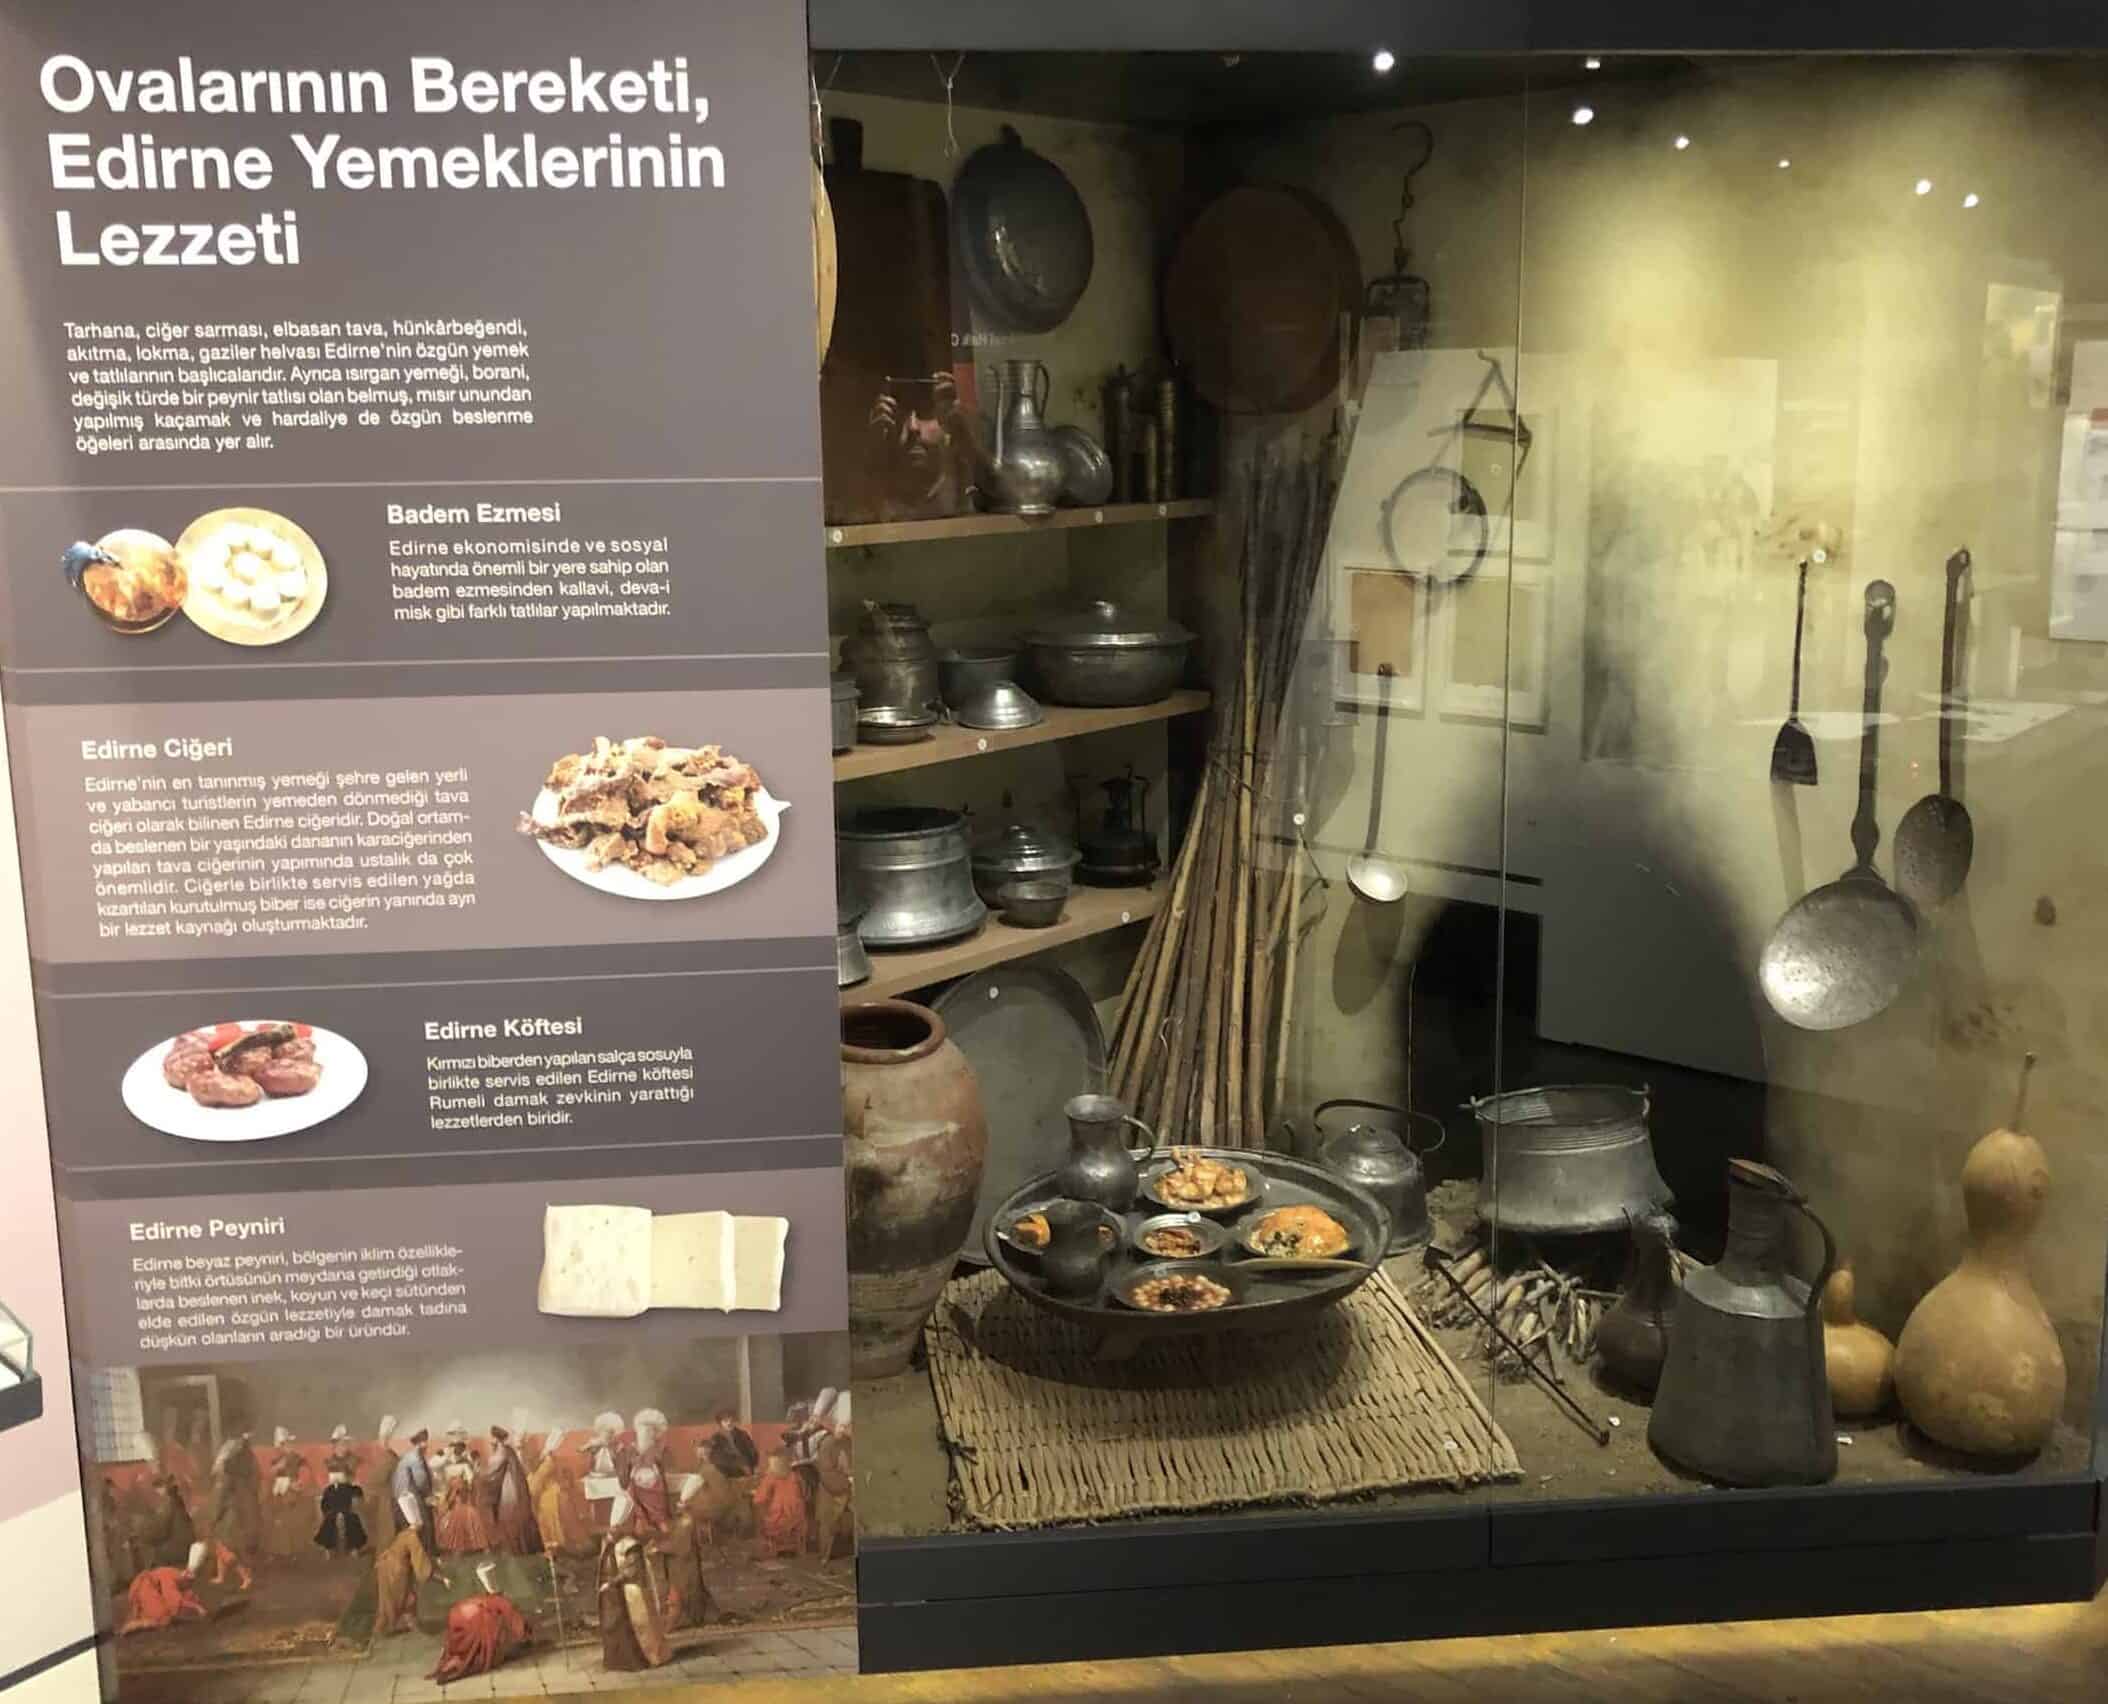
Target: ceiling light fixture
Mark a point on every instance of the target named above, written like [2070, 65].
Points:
[1969, 200]
[1591, 63]
[1923, 186]
[1783, 164]
[1682, 142]
[1383, 61]
[1584, 115]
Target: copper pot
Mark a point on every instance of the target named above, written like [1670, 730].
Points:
[915, 1139]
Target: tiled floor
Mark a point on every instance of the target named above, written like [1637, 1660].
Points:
[395, 1673]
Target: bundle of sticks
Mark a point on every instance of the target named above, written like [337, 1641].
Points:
[1200, 1046]
[1539, 1307]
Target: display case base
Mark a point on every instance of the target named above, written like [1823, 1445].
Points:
[1158, 1588]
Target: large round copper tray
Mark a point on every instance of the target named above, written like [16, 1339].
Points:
[1272, 1298]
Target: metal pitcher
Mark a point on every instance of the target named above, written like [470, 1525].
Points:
[1745, 1396]
[1078, 1248]
[1101, 1167]
[1028, 470]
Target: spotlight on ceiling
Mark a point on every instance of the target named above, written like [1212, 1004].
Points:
[1682, 142]
[1383, 62]
[1783, 164]
[1970, 199]
[1584, 115]
[1922, 187]
[1591, 63]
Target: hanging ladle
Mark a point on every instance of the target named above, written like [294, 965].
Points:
[1935, 840]
[1379, 880]
[1842, 953]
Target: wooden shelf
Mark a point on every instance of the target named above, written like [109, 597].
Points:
[951, 744]
[1009, 526]
[1092, 911]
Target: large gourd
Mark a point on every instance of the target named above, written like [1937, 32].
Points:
[1978, 1367]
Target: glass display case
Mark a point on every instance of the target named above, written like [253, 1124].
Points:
[21, 1386]
[1620, 945]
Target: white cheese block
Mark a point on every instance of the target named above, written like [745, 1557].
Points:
[691, 1260]
[596, 1262]
[757, 1262]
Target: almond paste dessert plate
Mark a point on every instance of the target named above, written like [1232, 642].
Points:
[256, 578]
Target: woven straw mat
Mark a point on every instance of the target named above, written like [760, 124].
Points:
[1041, 1430]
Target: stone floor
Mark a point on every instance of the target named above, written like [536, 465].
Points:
[394, 1673]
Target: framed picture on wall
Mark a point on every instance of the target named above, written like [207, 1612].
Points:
[1384, 619]
[1492, 638]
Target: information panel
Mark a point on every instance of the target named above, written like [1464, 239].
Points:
[414, 655]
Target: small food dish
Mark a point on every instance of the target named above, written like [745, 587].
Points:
[244, 1081]
[1179, 1287]
[132, 579]
[1036, 904]
[893, 724]
[646, 820]
[256, 578]
[1177, 1236]
[1029, 1235]
[1196, 1182]
[1299, 1230]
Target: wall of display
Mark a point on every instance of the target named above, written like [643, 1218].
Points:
[416, 707]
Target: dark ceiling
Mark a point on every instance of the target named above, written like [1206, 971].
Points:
[1204, 90]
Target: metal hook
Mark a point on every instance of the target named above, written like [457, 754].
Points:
[951, 136]
[1405, 185]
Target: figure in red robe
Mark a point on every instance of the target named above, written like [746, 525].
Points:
[481, 1632]
[780, 1502]
[161, 1597]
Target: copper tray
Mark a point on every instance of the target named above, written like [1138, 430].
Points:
[1271, 1299]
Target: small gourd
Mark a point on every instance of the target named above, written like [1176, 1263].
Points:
[1978, 1367]
[1861, 1361]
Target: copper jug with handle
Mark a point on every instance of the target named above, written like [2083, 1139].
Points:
[1745, 1394]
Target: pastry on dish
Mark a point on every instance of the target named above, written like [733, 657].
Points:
[1197, 1180]
[1031, 1231]
[1303, 1230]
[1174, 1242]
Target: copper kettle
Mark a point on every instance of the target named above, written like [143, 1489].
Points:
[1745, 1394]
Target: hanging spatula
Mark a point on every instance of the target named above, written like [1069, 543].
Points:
[1793, 752]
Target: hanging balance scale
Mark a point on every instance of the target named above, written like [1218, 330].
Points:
[1435, 521]
[1396, 308]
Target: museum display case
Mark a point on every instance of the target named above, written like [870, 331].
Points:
[1549, 609]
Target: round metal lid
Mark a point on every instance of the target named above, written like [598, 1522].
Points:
[1025, 850]
[901, 822]
[1107, 625]
[1023, 235]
